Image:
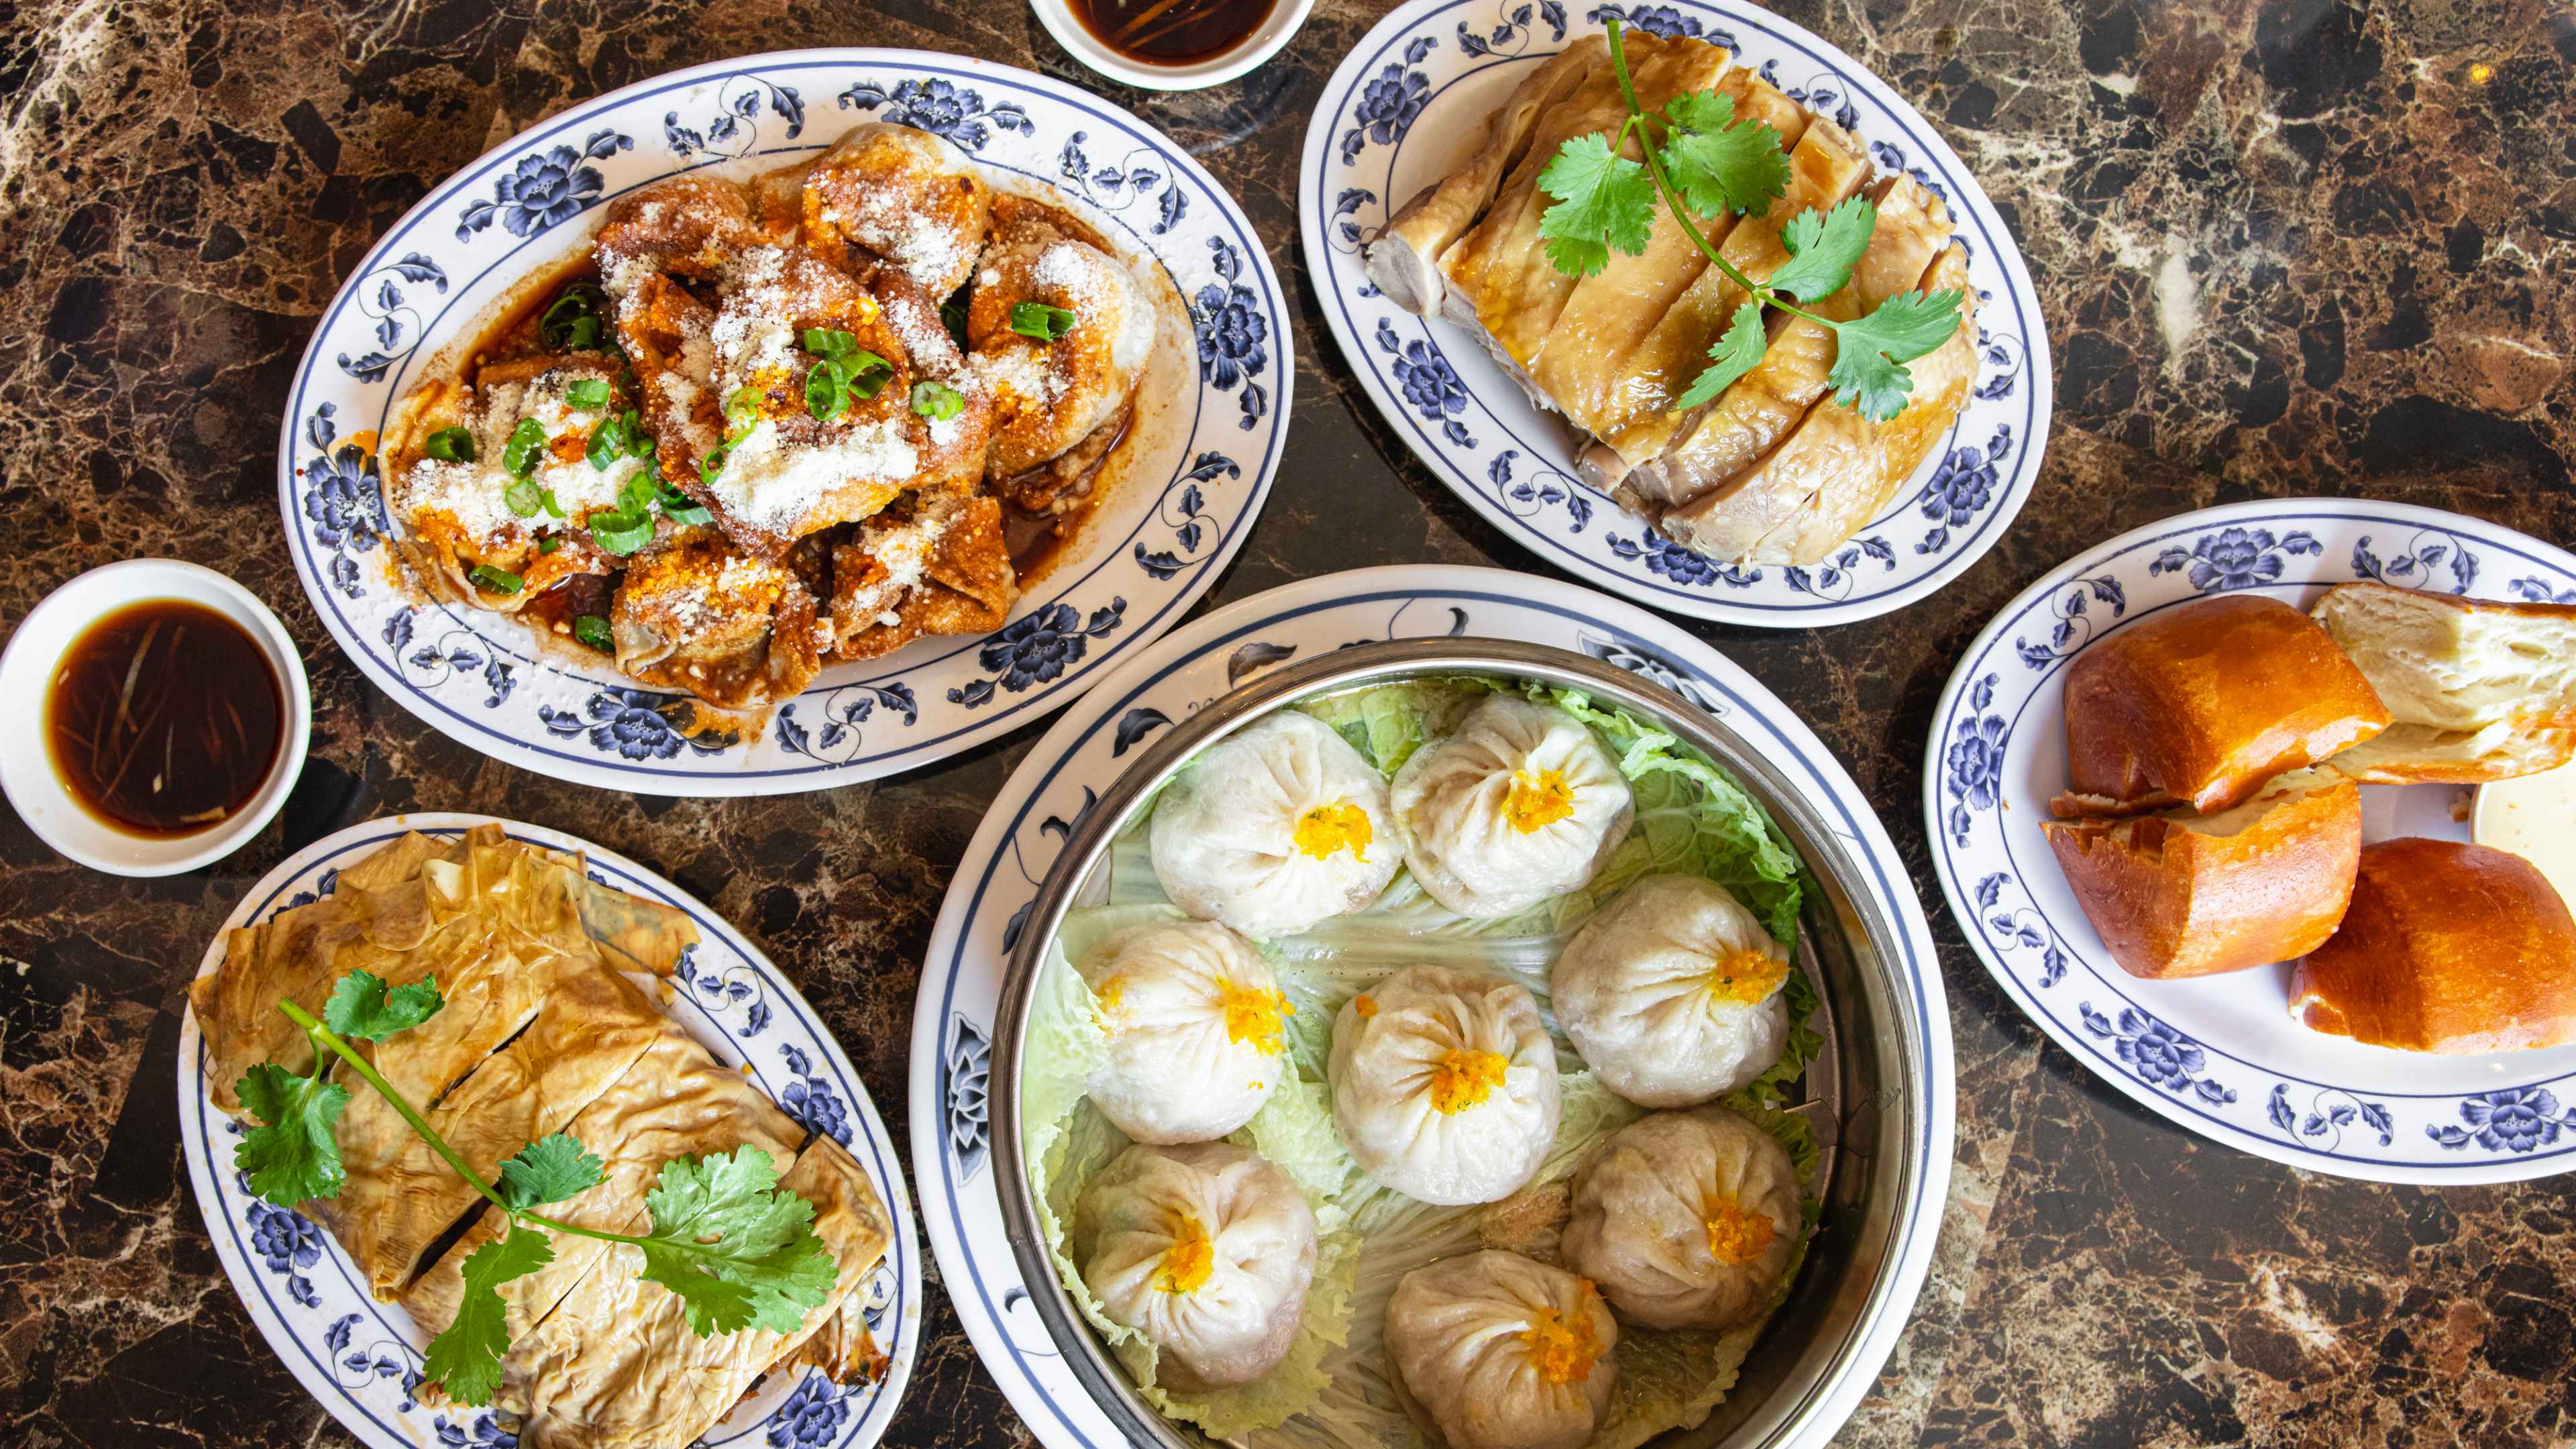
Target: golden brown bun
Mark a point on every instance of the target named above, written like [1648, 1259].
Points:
[2202, 703]
[2479, 690]
[2448, 947]
[2180, 895]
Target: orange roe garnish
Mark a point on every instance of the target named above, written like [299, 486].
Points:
[1563, 1350]
[1329, 828]
[1737, 1237]
[1464, 1078]
[1189, 1261]
[1537, 800]
[1254, 1017]
[1365, 1005]
[1746, 977]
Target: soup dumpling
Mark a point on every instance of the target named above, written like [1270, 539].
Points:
[1275, 829]
[1499, 1351]
[1195, 1023]
[1207, 1250]
[1672, 992]
[1444, 1084]
[1685, 1219]
[1519, 804]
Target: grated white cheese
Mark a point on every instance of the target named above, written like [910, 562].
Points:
[473, 495]
[772, 487]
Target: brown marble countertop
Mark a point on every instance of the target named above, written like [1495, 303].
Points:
[2299, 246]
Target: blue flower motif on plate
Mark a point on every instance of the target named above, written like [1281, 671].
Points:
[1431, 386]
[343, 501]
[2074, 613]
[1037, 648]
[2537, 591]
[288, 1244]
[1622, 653]
[1961, 488]
[1663, 20]
[2236, 558]
[2509, 1119]
[1973, 765]
[1233, 333]
[967, 1064]
[2160, 1055]
[1512, 34]
[1391, 101]
[810, 1099]
[1183, 510]
[2022, 927]
[1543, 488]
[2332, 1111]
[397, 329]
[631, 724]
[546, 189]
[1663, 556]
[734, 129]
[954, 113]
[811, 1417]
[484, 1433]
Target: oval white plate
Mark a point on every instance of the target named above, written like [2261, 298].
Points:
[1064, 775]
[360, 1358]
[1152, 548]
[1405, 107]
[2220, 1056]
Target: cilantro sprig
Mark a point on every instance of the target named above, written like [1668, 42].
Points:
[739, 1250]
[1701, 160]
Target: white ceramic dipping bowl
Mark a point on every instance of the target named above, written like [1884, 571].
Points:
[1264, 42]
[27, 668]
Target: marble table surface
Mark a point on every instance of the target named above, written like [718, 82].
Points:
[2285, 247]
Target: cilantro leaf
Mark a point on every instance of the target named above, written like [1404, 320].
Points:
[1718, 163]
[1603, 200]
[360, 1006]
[1735, 354]
[739, 1251]
[1824, 249]
[1870, 353]
[1909, 324]
[292, 1155]
[466, 1356]
[549, 1169]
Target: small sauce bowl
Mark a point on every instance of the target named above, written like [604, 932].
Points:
[1261, 43]
[35, 786]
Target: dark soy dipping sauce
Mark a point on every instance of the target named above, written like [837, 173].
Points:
[1171, 32]
[164, 718]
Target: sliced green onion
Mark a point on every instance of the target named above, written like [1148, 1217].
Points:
[639, 443]
[546, 496]
[593, 631]
[1041, 321]
[679, 507]
[494, 581]
[524, 497]
[520, 455]
[450, 445]
[549, 543]
[827, 395]
[588, 392]
[937, 401]
[607, 444]
[574, 322]
[866, 373]
[952, 315]
[621, 532]
[829, 342]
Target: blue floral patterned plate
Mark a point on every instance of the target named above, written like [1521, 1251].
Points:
[2220, 1056]
[1156, 543]
[1063, 776]
[361, 1358]
[1405, 107]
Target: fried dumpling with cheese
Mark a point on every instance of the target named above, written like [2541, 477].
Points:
[1275, 828]
[904, 195]
[733, 628]
[1686, 1219]
[1207, 1250]
[1671, 992]
[934, 562]
[1519, 804]
[1060, 334]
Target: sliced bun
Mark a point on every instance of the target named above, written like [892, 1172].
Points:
[2183, 895]
[2479, 690]
[2202, 703]
[2448, 947]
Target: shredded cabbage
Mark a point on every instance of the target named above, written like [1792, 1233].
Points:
[1333, 1388]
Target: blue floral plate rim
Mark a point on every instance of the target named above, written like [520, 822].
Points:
[1153, 553]
[323, 1325]
[1060, 778]
[1964, 496]
[2285, 1094]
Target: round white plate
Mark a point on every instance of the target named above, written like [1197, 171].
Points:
[361, 1358]
[1410, 101]
[1153, 547]
[2220, 1055]
[1064, 775]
